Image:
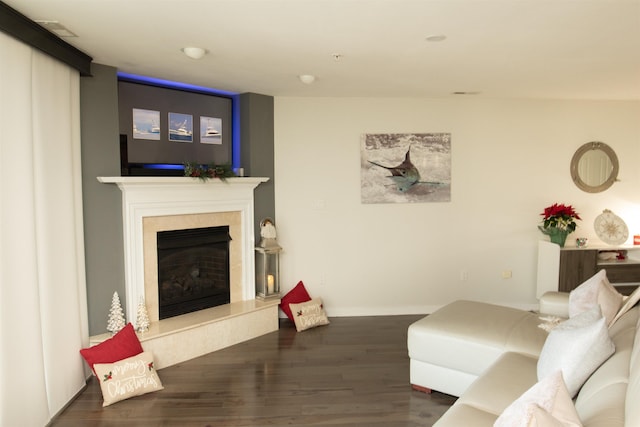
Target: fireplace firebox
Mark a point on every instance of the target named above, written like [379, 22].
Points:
[193, 270]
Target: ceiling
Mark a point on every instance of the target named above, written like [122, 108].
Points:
[551, 49]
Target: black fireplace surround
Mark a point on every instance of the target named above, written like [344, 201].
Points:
[193, 270]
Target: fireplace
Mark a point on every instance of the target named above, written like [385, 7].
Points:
[193, 270]
[153, 205]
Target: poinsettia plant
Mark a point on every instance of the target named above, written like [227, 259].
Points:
[560, 216]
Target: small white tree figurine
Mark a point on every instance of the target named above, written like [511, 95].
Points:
[142, 321]
[116, 315]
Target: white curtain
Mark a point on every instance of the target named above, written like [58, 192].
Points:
[43, 320]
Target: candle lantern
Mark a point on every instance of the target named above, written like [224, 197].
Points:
[268, 262]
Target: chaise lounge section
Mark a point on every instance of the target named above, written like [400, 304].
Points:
[488, 355]
[452, 347]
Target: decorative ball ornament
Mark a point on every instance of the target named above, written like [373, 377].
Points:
[610, 228]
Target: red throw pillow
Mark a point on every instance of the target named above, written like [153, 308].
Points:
[295, 296]
[122, 345]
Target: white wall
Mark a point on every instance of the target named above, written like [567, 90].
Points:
[510, 159]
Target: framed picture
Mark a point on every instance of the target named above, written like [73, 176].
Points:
[405, 167]
[180, 127]
[210, 130]
[146, 124]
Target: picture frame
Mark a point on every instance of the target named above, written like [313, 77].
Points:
[210, 130]
[180, 127]
[405, 167]
[146, 124]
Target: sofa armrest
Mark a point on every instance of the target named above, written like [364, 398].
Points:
[555, 304]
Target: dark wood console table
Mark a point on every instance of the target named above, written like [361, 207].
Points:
[564, 269]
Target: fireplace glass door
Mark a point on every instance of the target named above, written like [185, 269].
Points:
[193, 270]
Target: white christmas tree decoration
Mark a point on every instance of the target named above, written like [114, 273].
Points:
[142, 321]
[116, 315]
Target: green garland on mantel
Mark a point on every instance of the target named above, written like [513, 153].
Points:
[204, 172]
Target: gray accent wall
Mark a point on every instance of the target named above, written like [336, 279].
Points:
[256, 152]
[104, 252]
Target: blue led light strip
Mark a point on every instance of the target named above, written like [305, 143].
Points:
[162, 166]
[235, 107]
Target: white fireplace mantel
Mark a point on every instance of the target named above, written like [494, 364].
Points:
[163, 196]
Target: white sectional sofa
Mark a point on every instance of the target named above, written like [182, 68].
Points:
[488, 356]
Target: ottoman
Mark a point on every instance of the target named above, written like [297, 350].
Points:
[450, 348]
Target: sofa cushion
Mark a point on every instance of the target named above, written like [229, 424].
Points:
[596, 291]
[546, 403]
[508, 378]
[601, 400]
[554, 303]
[608, 409]
[465, 415]
[577, 347]
[627, 304]
[490, 394]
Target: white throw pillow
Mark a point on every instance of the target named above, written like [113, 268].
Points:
[595, 290]
[542, 418]
[547, 403]
[628, 303]
[577, 347]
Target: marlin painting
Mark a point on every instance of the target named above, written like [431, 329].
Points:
[405, 175]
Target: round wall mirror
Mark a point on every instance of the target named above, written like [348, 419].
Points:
[594, 167]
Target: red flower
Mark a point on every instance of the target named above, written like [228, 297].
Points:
[557, 210]
[560, 216]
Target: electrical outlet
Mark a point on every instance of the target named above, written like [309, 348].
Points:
[464, 275]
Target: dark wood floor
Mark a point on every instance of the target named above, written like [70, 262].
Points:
[353, 372]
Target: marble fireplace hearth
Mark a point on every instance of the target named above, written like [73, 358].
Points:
[153, 204]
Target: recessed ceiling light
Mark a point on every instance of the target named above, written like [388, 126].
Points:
[307, 78]
[194, 52]
[436, 38]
